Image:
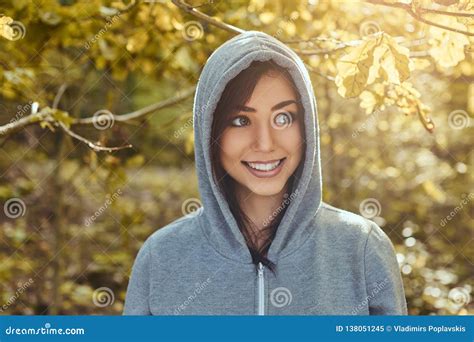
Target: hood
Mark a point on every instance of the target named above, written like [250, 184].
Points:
[216, 219]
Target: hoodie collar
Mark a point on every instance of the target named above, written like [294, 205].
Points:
[304, 201]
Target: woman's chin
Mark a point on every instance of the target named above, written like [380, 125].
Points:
[266, 189]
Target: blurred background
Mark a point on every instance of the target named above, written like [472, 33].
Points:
[96, 141]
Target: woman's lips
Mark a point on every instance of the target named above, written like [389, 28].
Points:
[266, 174]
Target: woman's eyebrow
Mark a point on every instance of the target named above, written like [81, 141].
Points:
[275, 107]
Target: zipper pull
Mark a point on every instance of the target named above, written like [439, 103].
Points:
[261, 290]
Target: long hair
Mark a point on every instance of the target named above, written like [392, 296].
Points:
[237, 92]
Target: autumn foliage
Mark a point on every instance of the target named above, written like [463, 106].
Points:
[96, 143]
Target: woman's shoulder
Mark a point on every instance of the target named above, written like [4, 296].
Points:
[342, 222]
[178, 232]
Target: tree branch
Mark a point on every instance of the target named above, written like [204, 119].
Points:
[453, 14]
[141, 112]
[89, 143]
[191, 10]
[15, 126]
[340, 46]
[45, 114]
[421, 10]
[58, 96]
[313, 39]
[315, 71]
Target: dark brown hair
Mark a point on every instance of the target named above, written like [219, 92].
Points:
[236, 93]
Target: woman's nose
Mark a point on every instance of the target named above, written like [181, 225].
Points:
[264, 139]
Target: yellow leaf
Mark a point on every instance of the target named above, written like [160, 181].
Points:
[267, 17]
[373, 99]
[108, 51]
[447, 47]
[63, 117]
[400, 59]
[50, 18]
[353, 69]
[120, 73]
[407, 99]
[100, 62]
[138, 41]
[470, 96]
[411, 90]
[189, 144]
[5, 20]
[5, 30]
[183, 59]
[421, 64]
[163, 19]
[136, 161]
[368, 101]
[374, 71]
[46, 124]
[434, 191]
[289, 28]
[385, 61]
[391, 62]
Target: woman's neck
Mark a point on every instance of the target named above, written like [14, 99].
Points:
[260, 209]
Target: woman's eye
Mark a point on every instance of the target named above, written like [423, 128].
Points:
[240, 121]
[283, 119]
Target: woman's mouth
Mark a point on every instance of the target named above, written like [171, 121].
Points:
[265, 169]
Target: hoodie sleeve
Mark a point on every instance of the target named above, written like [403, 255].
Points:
[385, 292]
[136, 300]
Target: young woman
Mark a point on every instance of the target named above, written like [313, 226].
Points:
[264, 242]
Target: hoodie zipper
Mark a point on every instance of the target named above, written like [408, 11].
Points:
[261, 290]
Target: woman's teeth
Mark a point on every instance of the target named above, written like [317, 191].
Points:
[264, 166]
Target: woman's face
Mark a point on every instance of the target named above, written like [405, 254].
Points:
[262, 144]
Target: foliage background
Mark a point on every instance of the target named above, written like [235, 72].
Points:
[395, 110]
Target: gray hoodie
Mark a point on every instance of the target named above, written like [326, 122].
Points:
[328, 261]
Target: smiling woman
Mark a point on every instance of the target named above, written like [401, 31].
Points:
[258, 144]
[264, 242]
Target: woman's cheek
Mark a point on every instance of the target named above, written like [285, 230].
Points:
[240, 137]
[231, 144]
[292, 137]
